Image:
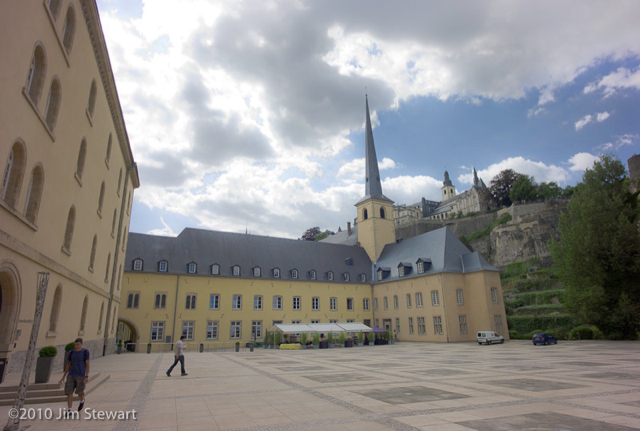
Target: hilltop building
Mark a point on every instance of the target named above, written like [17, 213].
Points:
[68, 179]
[217, 287]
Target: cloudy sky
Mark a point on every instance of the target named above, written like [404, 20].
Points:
[251, 113]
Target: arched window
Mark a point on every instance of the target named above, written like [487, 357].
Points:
[68, 233]
[83, 318]
[92, 257]
[35, 193]
[365, 214]
[55, 309]
[53, 104]
[101, 316]
[82, 156]
[92, 98]
[113, 320]
[381, 212]
[119, 276]
[13, 174]
[113, 223]
[37, 73]
[124, 238]
[54, 8]
[119, 182]
[106, 272]
[129, 204]
[69, 29]
[101, 199]
[108, 156]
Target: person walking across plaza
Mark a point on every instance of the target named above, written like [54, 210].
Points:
[179, 357]
[76, 371]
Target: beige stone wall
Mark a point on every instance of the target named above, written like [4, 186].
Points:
[375, 232]
[28, 246]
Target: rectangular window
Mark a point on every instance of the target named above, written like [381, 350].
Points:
[463, 324]
[157, 331]
[385, 303]
[422, 327]
[408, 300]
[401, 271]
[437, 325]
[256, 329]
[315, 321]
[276, 273]
[377, 323]
[294, 273]
[410, 325]
[214, 302]
[395, 302]
[333, 321]
[256, 272]
[349, 304]
[397, 325]
[192, 268]
[350, 320]
[237, 302]
[315, 303]
[277, 302]
[137, 264]
[434, 298]
[420, 267]
[187, 329]
[236, 329]
[375, 303]
[296, 303]
[191, 302]
[215, 269]
[257, 302]
[498, 321]
[365, 304]
[460, 297]
[162, 267]
[418, 299]
[161, 300]
[236, 270]
[212, 330]
[494, 295]
[333, 302]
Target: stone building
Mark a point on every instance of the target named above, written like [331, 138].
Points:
[215, 287]
[453, 204]
[68, 178]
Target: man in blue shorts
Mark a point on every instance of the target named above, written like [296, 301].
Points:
[77, 373]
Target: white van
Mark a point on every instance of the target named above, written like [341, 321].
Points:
[490, 337]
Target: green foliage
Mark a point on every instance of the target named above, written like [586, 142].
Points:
[527, 324]
[276, 339]
[534, 284]
[304, 337]
[549, 190]
[598, 255]
[524, 188]
[500, 188]
[371, 337]
[361, 337]
[504, 218]
[341, 338]
[48, 352]
[316, 339]
[330, 337]
[536, 298]
[320, 236]
[561, 333]
[516, 269]
[309, 234]
[585, 333]
[389, 335]
[540, 309]
[69, 347]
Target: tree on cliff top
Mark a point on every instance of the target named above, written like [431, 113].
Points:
[598, 255]
[500, 188]
[524, 188]
[310, 234]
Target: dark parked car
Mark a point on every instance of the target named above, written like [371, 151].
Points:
[544, 338]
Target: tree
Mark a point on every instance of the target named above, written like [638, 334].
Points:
[310, 234]
[523, 189]
[500, 188]
[598, 255]
[549, 190]
[320, 236]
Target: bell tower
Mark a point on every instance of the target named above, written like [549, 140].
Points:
[375, 211]
[448, 191]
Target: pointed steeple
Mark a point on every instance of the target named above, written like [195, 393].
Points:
[373, 187]
[475, 178]
[447, 180]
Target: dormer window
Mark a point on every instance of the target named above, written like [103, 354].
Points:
[312, 275]
[346, 276]
[420, 267]
[257, 272]
[192, 268]
[330, 276]
[137, 265]
[423, 263]
[276, 273]
[363, 278]
[215, 269]
[401, 271]
[236, 270]
[294, 273]
[162, 266]
[380, 274]
[383, 273]
[404, 269]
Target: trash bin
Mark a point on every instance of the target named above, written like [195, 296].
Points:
[201, 347]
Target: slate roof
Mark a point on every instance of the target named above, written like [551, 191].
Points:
[343, 237]
[205, 248]
[446, 251]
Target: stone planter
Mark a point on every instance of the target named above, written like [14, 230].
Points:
[360, 344]
[237, 347]
[316, 346]
[148, 348]
[44, 366]
[119, 349]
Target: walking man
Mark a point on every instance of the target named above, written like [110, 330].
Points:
[77, 373]
[179, 357]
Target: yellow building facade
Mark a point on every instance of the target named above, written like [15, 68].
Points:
[68, 178]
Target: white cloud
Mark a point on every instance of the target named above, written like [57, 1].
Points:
[583, 122]
[621, 141]
[166, 231]
[582, 161]
[539, 170]
[601, 116]
[615, 81]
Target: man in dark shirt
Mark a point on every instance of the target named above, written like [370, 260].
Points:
[77, 373]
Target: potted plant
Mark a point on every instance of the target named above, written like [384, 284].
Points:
[237, 346]
[303, 339]
[44, 365]
[277, 340]
[119, 347]
[371, 338]
[266, 340]
[330, 339]
[361, 339]
[316, 341]
[390, 336]
[69, 347]
[341, 339]
[148, 347]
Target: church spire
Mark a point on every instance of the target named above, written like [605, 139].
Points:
[373, 187]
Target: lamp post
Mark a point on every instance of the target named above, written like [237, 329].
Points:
[18, 404]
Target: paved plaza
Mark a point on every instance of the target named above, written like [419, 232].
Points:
[577, 386]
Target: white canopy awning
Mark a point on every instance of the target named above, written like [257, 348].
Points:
[354, 327]
[297, 328]
[292, 328]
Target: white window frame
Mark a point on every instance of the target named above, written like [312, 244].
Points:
[294, 274]
[422, 327]
[333, 303]
[237, 302]
[410, 325]
[256, 325]
[494, 295]
[396, 302]
[346, 276]
[375, 303]
[315, 303]
[214, 301]
[162, 266]
[365, 304]
[137, 265]
[213, 329]
[385, 303]
[296, 303]
[330, 275]
[188, 326]
[277, 302]
[401, 271]
[409, 300]
[215, 269]
[159, 331]
[420, 267]
[460, 296]
[350, 306]
[397, 326]
[257, 302]
[312, 275]
[462, 320]
[257, 272]
[435, 298]
[437, 325]
[236, 270]
[192, 268]
[276, 273]
[363, 278]
[235, 329]
[419, 299]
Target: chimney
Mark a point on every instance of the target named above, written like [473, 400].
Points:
[348, 228]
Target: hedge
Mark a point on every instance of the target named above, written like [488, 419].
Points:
[527, 324]
[585, 333]
[536, 298]
[538, 309]
[534, 284]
